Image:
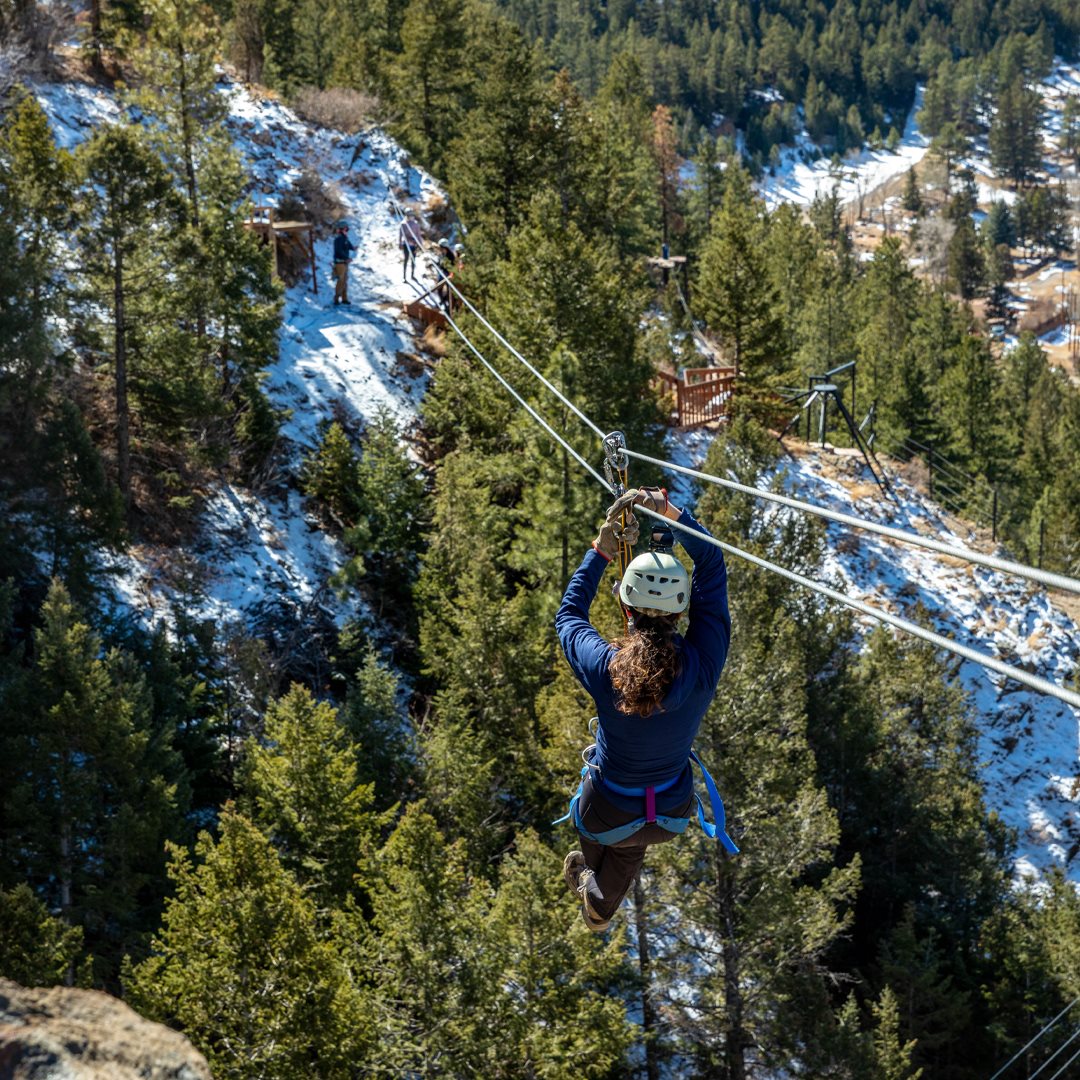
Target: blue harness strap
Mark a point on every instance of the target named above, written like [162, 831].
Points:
[717, 831]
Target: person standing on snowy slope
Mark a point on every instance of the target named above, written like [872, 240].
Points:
[651, 690]
[343, 250]
[410, 240]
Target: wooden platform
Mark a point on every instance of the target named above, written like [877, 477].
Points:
[295, 238]
[429, 316]
[701, 394]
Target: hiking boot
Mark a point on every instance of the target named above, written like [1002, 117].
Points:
[572, 866]
[593, 920]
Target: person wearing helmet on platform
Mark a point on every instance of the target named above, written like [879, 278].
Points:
[651, 689]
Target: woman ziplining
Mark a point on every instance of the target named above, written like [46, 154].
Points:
[651, 690]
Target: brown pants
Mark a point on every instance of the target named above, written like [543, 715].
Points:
[615, 866]
[341, 283]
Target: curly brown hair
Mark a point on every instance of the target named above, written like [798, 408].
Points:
[645, 664]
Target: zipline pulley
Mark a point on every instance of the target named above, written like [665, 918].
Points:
[616, 462]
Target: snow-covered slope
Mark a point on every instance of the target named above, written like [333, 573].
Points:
[333, 360]
[800, 179]
[1028, 743]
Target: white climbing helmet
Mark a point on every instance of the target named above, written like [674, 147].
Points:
[656, 581]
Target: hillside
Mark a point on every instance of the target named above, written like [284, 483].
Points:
[296, 668]
[260, 548]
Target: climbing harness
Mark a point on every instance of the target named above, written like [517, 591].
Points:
[714, 830]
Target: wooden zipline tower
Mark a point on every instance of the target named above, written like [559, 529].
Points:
[293, 241]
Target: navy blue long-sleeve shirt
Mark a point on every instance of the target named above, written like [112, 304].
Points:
[632, 750]
[342, 248]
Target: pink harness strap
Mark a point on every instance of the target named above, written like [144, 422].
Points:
[650, 805]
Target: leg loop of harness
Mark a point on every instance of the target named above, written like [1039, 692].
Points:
[715, 830]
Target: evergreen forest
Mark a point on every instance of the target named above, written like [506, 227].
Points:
[325, 849]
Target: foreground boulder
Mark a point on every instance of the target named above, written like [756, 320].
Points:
[64, 1034]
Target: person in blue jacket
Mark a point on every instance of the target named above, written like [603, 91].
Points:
[651, 690]
[343, 249]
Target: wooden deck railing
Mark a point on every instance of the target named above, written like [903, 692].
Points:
[701, 394]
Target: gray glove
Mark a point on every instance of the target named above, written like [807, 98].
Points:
[611, 533]
[623, 502]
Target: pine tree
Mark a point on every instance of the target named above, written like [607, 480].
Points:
[97, 792]
[557, 1012]
[303, 791]
[622, 173]
[968, 397]
[240, 967]
[998, 227]
[1015, 140]
[391, 489]
[125, 194]
[431, 981]
[1070, 128]
[895, 745]
[330, 477]
[706, 189]
[734, 294]
[176, 59]
[948, 145]
[374, 717]
[791, 251]
[36, 180]
[36, 948]
[888, 298]
[665, 154]
[926, 1005]
[893, 1057]
[967, 269]
[912, 198]
[1022, 367]
[428, 76]
[225, 287]
[825, 329]
[497, 161]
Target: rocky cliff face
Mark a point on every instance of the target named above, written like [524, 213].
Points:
[64, 1034]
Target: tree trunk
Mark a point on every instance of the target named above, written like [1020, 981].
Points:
[123, 434]
[648, 1010]
[187, 135]
[735, 1035]
[95, 36]
[66, 875]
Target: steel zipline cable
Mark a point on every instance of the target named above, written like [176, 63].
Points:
[1067, 1043]
[444, 279]
[1061, 1071]
[1034, 682]
[1032, 1041]
[1043, 577]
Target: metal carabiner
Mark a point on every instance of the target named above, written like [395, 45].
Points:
[615, 461]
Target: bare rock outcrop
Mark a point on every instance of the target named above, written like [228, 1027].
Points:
[65, 1034]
